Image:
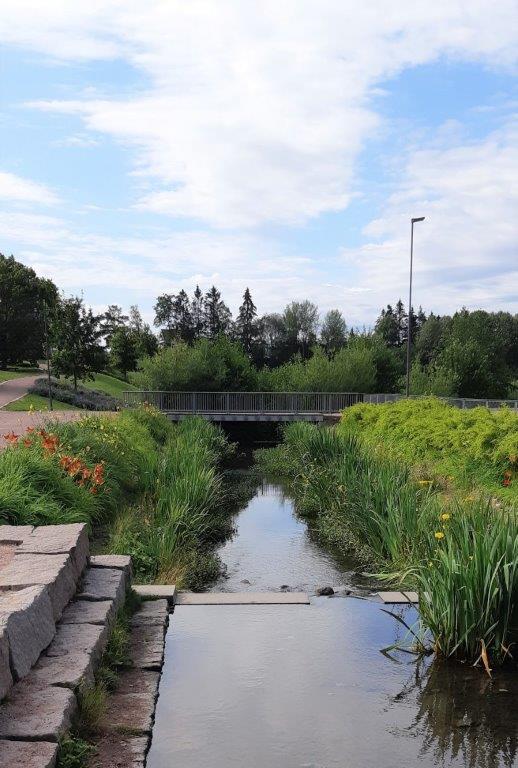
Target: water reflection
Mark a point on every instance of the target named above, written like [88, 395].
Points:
[464, 714]
[271, 547]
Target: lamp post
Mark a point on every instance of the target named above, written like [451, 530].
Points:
[409, 329]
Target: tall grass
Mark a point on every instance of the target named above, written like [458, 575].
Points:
[460, 552]
[170, 537]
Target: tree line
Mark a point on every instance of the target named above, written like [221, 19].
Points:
[199, 345]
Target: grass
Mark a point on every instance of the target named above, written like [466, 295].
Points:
[171, 534]
[37, 403]
[110, 385]
[460, 552]
[17, 372]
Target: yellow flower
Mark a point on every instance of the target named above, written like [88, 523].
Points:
[439, 535]
[424, 482]
[471, 557]
[430, 563]
[445, 516]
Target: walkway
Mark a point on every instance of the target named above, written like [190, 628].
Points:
[18, 421]
[13, 389]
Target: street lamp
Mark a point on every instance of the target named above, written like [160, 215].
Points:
[409, 329]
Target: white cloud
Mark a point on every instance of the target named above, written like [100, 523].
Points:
[253, 112]
[16, 189]
[466, 250]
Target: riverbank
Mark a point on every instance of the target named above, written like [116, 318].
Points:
[459, 552]
[151, 489]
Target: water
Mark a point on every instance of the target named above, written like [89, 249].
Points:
[273, 548]
[307, 686]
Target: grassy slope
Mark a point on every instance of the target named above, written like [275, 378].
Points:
[17, 373]
[103, 382]
[37, 403]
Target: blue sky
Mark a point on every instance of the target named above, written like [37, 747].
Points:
[150, 147]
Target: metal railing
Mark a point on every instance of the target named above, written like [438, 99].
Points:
[244, 402]
[458, 402]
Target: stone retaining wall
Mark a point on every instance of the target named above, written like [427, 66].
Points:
[57, 606]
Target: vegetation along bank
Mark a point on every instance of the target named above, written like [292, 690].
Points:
[375, 484]
[147, 488]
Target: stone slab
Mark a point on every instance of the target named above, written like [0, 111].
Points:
[129, 713]
[114, 750]
[68, 671]
[139, 681]
[89, 612]
[151, 612]
[35, 713]
[29, 621]
[146, 647]
[28, 754]
[14, 534]
[57, 540]
[165, 591]
[79, 638]
[104, 584]
[6, 679]
[7, 553]
[122, 562]
[56, 571]
[242, 598]
[395, 598]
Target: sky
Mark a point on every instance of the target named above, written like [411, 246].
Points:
[152, 146]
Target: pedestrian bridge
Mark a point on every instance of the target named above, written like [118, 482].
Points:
[247, 406]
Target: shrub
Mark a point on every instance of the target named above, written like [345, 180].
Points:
[89, 399]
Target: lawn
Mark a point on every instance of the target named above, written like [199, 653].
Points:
[17, 373]
[37, 403]
[103, 382]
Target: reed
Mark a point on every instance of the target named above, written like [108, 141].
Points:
[460, 552]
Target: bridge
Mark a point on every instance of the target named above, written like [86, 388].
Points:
[247, 406]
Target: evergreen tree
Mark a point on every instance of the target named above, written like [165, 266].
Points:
[217, 315]
[246, 325]
[387, 327]
[198, 313]
[182, 318]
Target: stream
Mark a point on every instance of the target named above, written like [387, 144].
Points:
[293, 686]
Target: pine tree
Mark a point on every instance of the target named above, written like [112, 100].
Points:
[197, 314]
[246, 326]
[216, 314]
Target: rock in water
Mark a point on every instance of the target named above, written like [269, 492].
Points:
[325, 591]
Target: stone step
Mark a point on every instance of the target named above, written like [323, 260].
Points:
[242, 598]
[395, 598]
[28, 754]
[155, 591]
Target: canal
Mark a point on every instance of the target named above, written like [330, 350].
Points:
[293, 686]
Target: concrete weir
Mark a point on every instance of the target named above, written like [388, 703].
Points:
[57, 609]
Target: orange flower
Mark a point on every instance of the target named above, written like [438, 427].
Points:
[10, 437]
[27, 443]
[507, 479]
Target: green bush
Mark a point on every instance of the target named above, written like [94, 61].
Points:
[474, 447]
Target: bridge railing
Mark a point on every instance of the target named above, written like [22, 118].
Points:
[458, 402]
[244, 402]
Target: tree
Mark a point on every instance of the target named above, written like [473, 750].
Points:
[112, 319]
[23, 299]
[301, 321]
[183, 325]
[246, 325]
[197, 313]
[333, 333]
[145, 340]
[123, 350]
[75, 337]
[135, 318]
[217, 316]
[164, 317]
[387, 327]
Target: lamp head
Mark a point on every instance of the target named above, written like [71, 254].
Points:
[419, 218]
